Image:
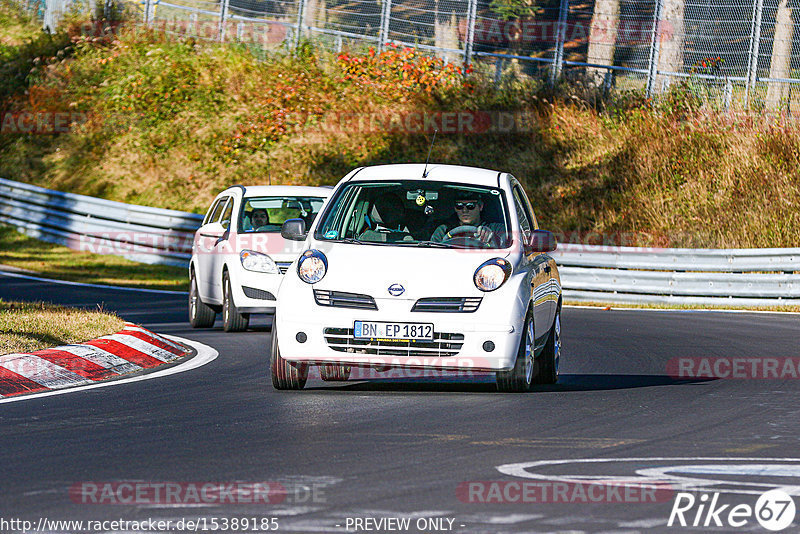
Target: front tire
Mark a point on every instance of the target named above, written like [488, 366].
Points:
[285, 375]
[548, 370]
[331, 372]
[520, 377]
[201, 315]
[232, 320]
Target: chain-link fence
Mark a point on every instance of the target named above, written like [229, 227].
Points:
[736, 54]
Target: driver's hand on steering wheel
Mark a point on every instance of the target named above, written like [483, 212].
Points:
[485, 234]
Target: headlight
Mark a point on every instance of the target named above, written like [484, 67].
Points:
[258, 262]
[312, 266]
[492, 274]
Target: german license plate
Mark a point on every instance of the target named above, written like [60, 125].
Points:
[399, 331]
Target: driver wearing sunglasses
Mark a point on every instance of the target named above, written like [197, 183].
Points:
[468, 211]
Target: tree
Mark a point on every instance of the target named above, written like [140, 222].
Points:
[603, 37]
[780, 63]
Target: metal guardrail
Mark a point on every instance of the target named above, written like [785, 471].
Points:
[139, 233]
[747, 277]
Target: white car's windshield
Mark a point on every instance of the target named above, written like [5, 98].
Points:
[417, 213]
[267, 214]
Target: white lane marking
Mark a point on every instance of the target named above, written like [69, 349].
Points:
[656, 476]
[143, 346]
[510, 519]
[674, 310]
[205, 354]
[100, 286]
[100, 357]
[41, 371]
[641, 523]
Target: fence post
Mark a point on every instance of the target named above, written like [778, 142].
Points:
[728, 95]
[498, 71]
[755, 45]
[223, 14]
[146, 17]
[561, 31]
[301, 8]
[472, 14]
[383, 34]
[655, 49]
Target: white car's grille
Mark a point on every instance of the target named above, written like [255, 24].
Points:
[444, 344]
[447, 304]
[340, 299]
[283, 266]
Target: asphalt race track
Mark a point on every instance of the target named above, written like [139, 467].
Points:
[383, 450]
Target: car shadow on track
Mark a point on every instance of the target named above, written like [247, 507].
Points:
[566, 383]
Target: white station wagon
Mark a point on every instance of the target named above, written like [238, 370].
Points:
[238, 255]
[418, 267]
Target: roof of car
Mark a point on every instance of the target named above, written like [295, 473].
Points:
[288, 190]
[436, 173]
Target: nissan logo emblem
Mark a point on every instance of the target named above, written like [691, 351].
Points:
[396, 290]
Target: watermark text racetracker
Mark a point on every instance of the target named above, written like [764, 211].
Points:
[606, 491]
[734, 367]
[193, 493]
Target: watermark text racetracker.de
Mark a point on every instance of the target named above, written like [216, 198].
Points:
[248, 524]
[194, 493]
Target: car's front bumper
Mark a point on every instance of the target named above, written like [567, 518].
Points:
[460, 338]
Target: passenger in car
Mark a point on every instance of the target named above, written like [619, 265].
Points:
[259, 218]
[469, 211]
[387, 223]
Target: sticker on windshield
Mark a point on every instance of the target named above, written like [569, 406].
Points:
[331, 234]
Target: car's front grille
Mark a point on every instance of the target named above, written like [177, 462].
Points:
[447, 304]
[283, 266]
[444, 344]
[260, 294]
[340, 299]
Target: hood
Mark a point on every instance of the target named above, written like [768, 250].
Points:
[422, 272]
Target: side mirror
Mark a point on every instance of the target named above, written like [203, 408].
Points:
[294, 230]
[541, 241]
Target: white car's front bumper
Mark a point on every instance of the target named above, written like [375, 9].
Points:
[255, 292]
[460, 338]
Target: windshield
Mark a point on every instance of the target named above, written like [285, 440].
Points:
[417, 213]
[267, 214]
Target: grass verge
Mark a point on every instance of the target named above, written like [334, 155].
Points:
[170, 122]
[30, 326]
[54, 261]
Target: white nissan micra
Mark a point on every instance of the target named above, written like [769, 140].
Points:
[238, 255]
[420, 267]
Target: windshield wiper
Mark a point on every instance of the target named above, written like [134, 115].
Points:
[434, 244]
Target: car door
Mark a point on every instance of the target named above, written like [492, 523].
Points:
[537, 263]
[221, 248]
[207, 242]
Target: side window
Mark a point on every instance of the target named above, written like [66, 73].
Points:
[227, 214]
[217, 211]
[522, 214]
[211, 211]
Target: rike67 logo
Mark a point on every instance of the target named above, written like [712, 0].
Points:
[774, 510]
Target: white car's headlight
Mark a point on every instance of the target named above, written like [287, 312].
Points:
[492, 274]
[258, 262]
[312, 266]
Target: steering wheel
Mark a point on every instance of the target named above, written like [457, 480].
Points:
[464, 235]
